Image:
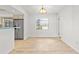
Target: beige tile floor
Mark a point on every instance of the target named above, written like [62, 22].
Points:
[42, 46]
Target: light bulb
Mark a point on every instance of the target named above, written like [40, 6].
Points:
[43, 11]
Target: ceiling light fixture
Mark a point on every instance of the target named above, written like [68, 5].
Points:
[43, 10]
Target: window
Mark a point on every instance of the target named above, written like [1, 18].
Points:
[8, 22]
[42, 24]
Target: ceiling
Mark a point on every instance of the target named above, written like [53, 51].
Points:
[34, 9]
[31, 9]
[7, 9]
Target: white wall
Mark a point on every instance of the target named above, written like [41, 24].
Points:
[75, 28]
[6, 40]
[26, 26]
[69, 29]
[52, 30]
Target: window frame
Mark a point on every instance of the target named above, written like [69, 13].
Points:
[38, 21]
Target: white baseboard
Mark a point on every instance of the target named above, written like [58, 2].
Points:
[70, 45]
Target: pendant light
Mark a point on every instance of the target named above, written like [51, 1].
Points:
[43, 10]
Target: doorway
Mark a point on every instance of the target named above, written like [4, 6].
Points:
[19, 29]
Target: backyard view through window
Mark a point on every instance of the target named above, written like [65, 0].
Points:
[42, 24]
